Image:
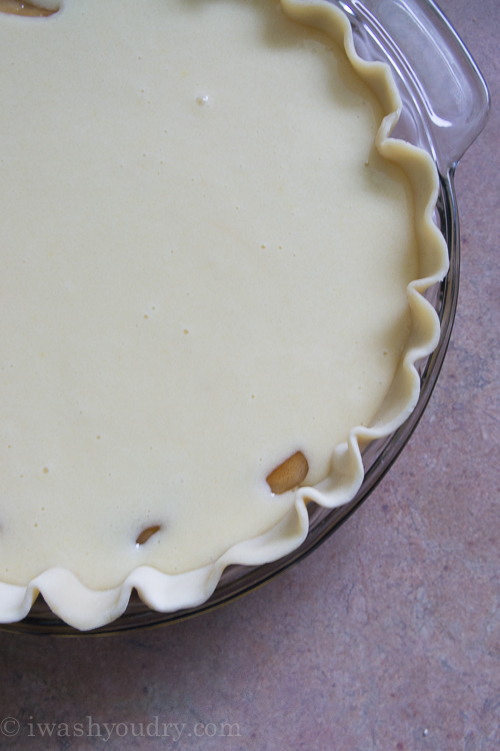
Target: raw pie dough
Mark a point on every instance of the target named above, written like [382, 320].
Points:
[205, 269]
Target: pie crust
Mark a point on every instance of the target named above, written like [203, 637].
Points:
[89, 597]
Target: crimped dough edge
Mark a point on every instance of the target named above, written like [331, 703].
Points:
[87, 609]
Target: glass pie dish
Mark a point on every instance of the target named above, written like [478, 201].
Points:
[445, 106]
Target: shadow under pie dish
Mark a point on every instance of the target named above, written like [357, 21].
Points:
[195, 284]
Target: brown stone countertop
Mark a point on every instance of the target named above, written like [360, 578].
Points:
[387, 638]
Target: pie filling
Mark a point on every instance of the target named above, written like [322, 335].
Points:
[213, 261]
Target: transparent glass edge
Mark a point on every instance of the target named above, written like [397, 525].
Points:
[450, 128]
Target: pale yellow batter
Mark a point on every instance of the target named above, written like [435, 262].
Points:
[204, 270]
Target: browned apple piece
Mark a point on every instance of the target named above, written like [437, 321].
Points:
[288, 475]
[146, 534]
[18, 8]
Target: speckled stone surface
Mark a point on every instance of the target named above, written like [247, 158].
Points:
[387, 638]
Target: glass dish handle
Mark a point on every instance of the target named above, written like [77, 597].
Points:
[443, 80]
